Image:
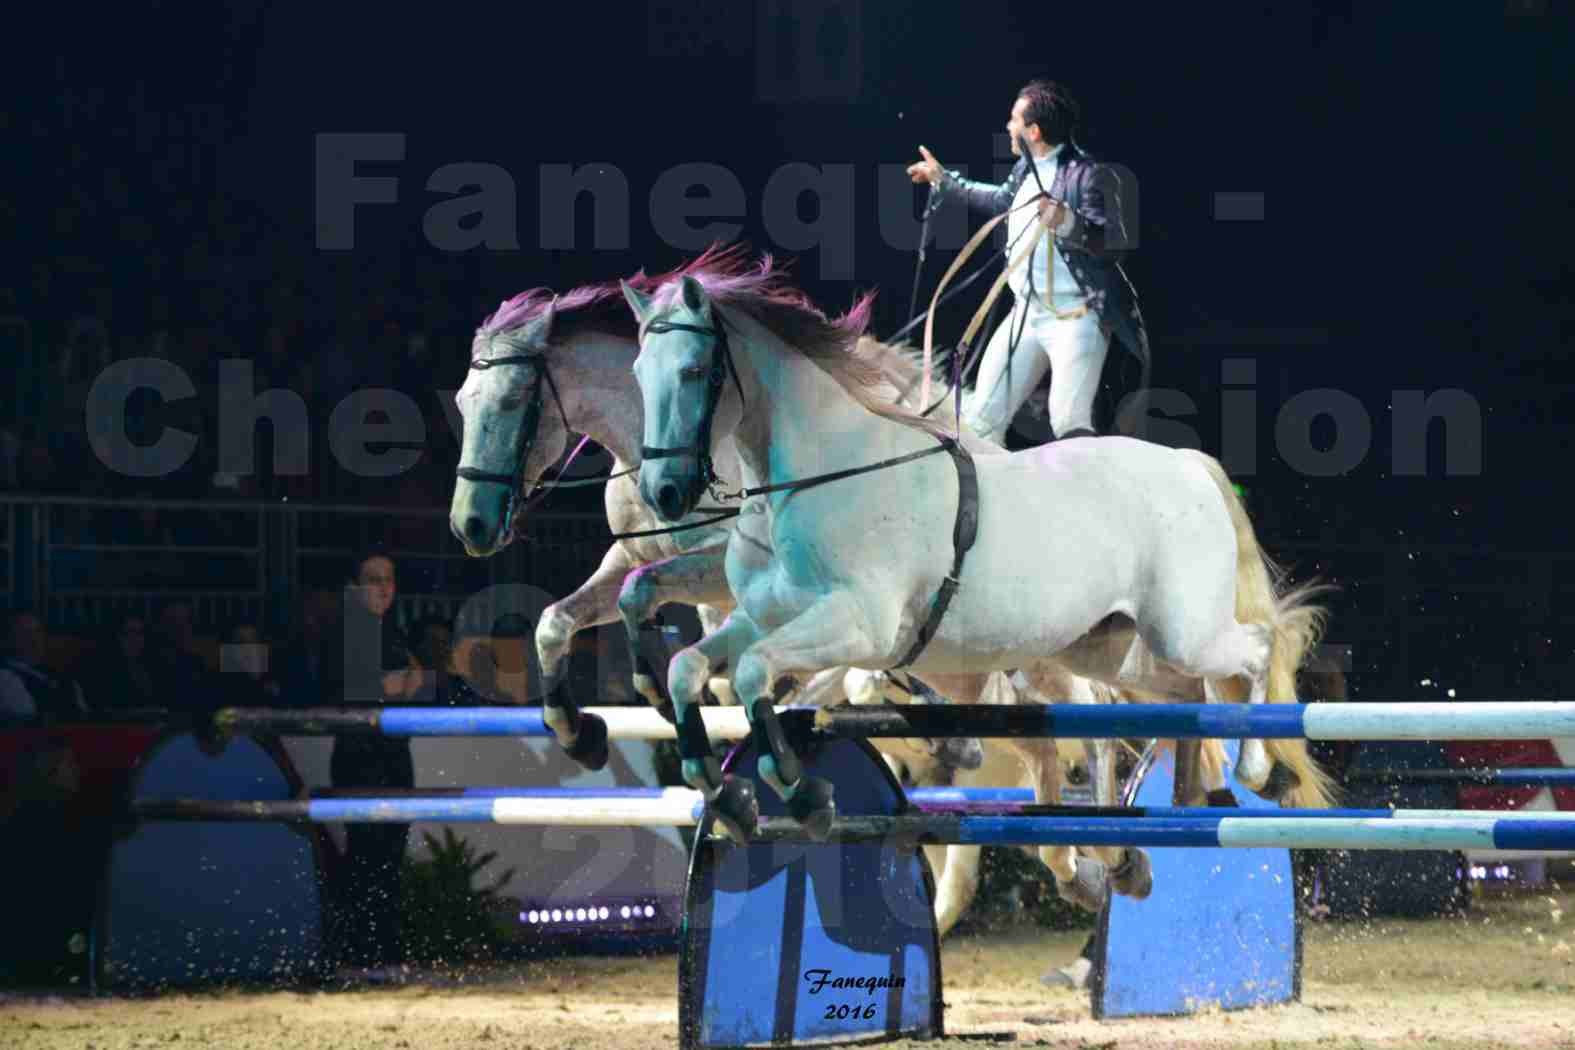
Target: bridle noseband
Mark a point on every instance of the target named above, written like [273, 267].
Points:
[721, 367]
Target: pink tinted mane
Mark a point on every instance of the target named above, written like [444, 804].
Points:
[595, 307]
[763, 291]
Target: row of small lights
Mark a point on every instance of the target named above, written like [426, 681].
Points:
[588, 914]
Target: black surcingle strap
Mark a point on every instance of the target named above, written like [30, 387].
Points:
[964, 532]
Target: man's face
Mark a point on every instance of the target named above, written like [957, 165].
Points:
[376, 585]
[1015, 126]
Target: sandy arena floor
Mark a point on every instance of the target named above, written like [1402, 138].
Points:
[1502, 977]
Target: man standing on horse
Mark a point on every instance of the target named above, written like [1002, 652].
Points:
[1067, 301]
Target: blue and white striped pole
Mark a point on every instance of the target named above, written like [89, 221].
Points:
[1509, 720]
[1002, 823]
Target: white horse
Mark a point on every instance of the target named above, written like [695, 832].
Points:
[545, 366]
[542, 368]
[1128, 562]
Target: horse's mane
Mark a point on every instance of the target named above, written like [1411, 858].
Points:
[761, 291]
[591, 307]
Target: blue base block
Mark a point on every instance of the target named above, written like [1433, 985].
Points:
[198, 902]
[771, 927]
[1220, 929]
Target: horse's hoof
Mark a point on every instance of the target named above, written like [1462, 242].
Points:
[814, 806]
[1282, 781]
[735, 808]
[960, 753]
[1086, 889]
[1223, 798]
[648, 688]
[1134, 876]
[590, 744]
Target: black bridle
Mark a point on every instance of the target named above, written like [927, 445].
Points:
[515, 480]
[721, 368]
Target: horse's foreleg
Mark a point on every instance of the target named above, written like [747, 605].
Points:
[732, 799]
[694, 578]
[593, 603]
[711, 619]
[829, 633]
[956, 884]
[1081, 883]
[583, 736]
[1128, 868]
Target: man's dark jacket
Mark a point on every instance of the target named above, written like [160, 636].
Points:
[1094, 193]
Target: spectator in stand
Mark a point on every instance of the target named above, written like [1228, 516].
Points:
[122, 679]
[243, 660]
[367, 663]
[181, 677]
[496, 667]
[432, 645]
[31, 693]
[300, 667]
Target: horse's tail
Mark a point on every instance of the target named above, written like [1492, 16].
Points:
[1296, 622]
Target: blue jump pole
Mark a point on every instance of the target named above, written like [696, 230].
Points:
[1002, 823]
[1508, 720]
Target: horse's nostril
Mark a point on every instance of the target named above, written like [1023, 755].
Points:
[667, 498]
[475, 528]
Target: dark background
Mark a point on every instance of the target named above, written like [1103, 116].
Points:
[1411, 159]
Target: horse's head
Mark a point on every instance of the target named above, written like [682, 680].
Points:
[514, 430]
[683, 369]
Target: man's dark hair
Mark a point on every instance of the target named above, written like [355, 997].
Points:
[1053, 108]
[364, 555]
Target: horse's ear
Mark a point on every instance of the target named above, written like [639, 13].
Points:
[694, 296]
[640, 304]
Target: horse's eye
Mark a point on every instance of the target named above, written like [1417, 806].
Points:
[509, 404]
[692, 372]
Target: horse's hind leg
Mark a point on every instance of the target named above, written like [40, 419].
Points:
[1241, 650]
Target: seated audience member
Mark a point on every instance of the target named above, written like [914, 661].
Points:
[300, 661]
[432, 644]
[121, 678]
[180, 675]
[243, 660]
[496, 666]
[30, 693]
